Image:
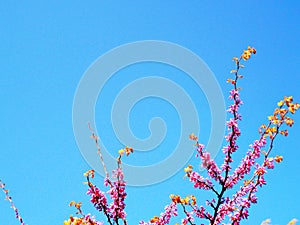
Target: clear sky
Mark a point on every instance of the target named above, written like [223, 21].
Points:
[47, 46]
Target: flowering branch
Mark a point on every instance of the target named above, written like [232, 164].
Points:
[83, 220]
[115, 211]
[235, 207]
[8, 198]
[219, 179]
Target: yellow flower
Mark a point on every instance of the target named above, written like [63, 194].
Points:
[288, 100]
[89, 172]
[278, 158]
[128, 150]
[263, 126]
[67, 222]
[292, 108]
[247, 182]
[194, 200]
[154, 219]
[121, 151]
[284, 132]
[247, 53]
[175, 198]
[274, 120]
[253, 50]
[270, 118]
[193, 137]
[292, 222]
[188, 169]
[280, 103]
[289, 121]
[185, 200]
[281, 112]
[72, 203]
[270, 132]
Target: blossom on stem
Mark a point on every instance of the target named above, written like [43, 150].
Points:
[83, 220]
[165, 217]
[247, 53]
[9, 198]
[117, 194]
[208, 163]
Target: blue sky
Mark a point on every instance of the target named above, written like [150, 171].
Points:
[47, 46]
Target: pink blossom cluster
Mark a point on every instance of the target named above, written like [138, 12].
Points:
[247, 162]
[188, 218]
[91, 220]
[118, 195]
[165, 217]
[208, 163]
[115, 211]
[98, 198]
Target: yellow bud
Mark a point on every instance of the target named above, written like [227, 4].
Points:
[280, 103]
